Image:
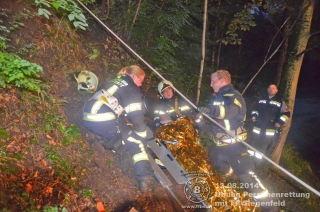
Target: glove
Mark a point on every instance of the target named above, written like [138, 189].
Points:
[204, 110]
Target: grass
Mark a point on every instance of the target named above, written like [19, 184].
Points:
[279, 182]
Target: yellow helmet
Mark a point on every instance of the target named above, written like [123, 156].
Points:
[87, 81]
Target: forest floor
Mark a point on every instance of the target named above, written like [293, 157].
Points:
[47, 157]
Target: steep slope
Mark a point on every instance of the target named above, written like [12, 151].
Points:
[64, 163]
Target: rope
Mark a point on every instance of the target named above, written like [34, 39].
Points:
[194, 106]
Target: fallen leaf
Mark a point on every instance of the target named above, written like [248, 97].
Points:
[16, 129]
[48, 136]
[23, 176]
[11, 145]
[14, 98]
[48, 190]
[133, 210]
[16, 120]
[44, 163]
[100, 207]
[52, 173]
[28, 188]
[13, 177]
[52, 142]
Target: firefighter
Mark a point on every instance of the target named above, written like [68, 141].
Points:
[227, 154]
[268, 115]
[117, 107]
[171, 106]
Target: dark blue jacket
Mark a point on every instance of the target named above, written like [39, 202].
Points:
[228, 108]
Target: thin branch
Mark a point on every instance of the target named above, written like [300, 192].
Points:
[136, 14]
[205, 16]
[264, 63]
[276, 50]
[314, 33]
[274, 37]
[307, 50]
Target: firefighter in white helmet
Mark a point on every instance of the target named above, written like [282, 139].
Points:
[171, 106]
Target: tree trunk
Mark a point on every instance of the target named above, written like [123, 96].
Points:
[292, 69]
[215, 37]
[203, 49]
[284, 50]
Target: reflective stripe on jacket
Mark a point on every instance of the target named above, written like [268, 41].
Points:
[169, 106]
[228, 108]
[131, 99]
[268, 112]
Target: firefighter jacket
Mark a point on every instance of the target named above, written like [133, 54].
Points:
[99, 118]
[228, 108]
[174, 107]
[268, 112]
[129, 97]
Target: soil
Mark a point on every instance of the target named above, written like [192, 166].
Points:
[61, 60]
[62, 53]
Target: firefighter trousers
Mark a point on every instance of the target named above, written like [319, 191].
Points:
[262, 142]
[137, 149]
[234, 159]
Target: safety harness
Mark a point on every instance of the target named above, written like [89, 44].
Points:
[106, 98]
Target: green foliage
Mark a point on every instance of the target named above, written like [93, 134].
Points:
[54, 209]
[162, 24]
[242, 20]
[64, 168]
[25, 14]
[19, 72]
[3, 30]
[7, 158]
[28, 48]
[292, 160]
[88, 194]
[72, 131]
[3, 133]
[95, 54]
[69, 7]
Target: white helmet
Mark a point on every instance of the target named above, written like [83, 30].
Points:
[164, 85]
[87, 81]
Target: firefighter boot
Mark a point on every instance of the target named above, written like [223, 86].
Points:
[146, 184]
[124, 157]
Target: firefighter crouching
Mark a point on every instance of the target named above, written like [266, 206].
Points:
[117, 107]
[227, 154]
[171, 106]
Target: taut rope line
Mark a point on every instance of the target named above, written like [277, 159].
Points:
[194, 106]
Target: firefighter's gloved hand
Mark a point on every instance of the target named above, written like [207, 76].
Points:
[204, 110]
